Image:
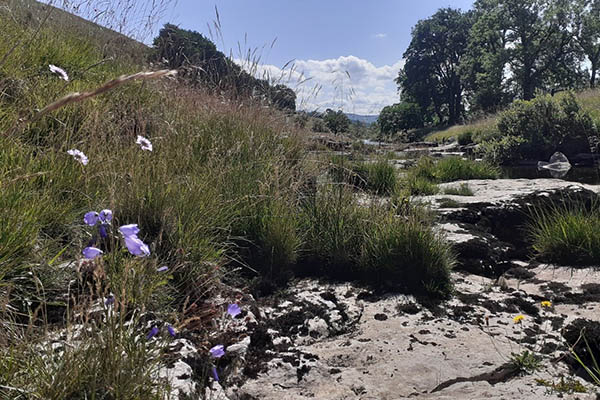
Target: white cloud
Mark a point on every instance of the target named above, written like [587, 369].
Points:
[350, 83]
[380, 35]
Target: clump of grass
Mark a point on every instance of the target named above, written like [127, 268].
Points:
[462, 190]
[377, 177]
[418, 185]
[376, 244]
[454, 168]
[566, 233]
[422, 178]
[448, 203]
[405, 252]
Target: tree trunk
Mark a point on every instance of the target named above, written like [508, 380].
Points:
[593, 77]
[528, 89]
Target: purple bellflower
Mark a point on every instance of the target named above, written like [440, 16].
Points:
[91, 252]
[171, 331]
[218, 351]
[129, 230]
[91, 218]
[152, 333]
[136, 246]
[233, 310]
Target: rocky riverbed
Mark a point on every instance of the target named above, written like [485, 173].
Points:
[323, 340]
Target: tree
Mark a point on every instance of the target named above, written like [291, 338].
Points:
[430, 76]
[194, 55]
[337, 122]
[400, 117]
[535, 38]
[283, 97]
[587, 14]
[482, 67]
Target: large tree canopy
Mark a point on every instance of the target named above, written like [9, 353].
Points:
[587, 22]
[399, 118]
[430, 76]
[533, 38]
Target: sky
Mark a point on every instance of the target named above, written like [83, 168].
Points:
[349, 50]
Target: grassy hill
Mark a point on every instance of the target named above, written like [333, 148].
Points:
[30, 14]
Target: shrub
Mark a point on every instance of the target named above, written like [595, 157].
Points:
[568, 234]
[540, 127]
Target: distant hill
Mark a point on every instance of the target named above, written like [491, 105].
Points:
[366, 119]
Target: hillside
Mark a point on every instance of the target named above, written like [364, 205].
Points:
[31, 14]
[366, 119]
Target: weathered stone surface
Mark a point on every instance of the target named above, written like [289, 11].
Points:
[488, 228]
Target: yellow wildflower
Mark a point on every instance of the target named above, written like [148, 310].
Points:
[518, 318]
[546, 303]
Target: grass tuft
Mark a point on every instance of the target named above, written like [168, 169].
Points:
[568, 233]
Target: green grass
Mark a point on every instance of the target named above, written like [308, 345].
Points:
[567, 234]
[378, 177]
[422, 179]
[375, 244]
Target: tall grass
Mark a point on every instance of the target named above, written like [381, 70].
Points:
[421, 179]
[568, 233]
[377, 177]
[220, 171]
[375, 244]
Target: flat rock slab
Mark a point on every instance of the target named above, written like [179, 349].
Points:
[401, 350]
[494, 191]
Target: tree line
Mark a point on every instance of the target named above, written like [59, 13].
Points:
[463, 64]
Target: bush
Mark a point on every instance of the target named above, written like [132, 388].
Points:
[567, 234]
[540, 127]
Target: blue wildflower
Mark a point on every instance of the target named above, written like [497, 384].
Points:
[91, 252]
[217, 351]
[233, 310]
[152, 333]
